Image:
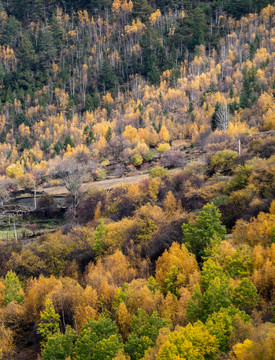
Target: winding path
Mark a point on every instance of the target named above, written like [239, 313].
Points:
[103, 184]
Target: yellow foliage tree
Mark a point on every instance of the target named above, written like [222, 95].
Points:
[170, 204]
[163, 147]
[6, 342]
[130, 134]
[154, 17]
[240, 350]
[153, 189]
[123, 320]
[177, 265]
[190, 342]
[259, 230]
[14, 171]
[164, 134]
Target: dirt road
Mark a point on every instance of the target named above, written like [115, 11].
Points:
[103, 184]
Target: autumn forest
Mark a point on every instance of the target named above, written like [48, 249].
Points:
[137, 180]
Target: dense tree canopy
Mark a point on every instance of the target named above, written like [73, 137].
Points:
[179, 265]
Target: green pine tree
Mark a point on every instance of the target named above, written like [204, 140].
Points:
[107, 78]
[13, 290]
[245, 296]
[145, 330]
[68, 141]
[98, 340]
[10, 32]
[26, 53]
[57, 33]
[198, 234]
[142, 10]
[100, 231]
[58, 147]
[49, 322]
[59, 346]
[109, 134]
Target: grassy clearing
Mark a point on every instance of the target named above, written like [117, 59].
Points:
[8, 233]
[23, 232]
[27, 227]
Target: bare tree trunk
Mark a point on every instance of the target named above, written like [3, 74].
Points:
[223, 117]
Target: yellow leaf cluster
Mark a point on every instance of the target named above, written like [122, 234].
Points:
[122, 5]
[163, 147]
[155, 16]
[7, 58]
[164, 134]
[107, 99]
[180, 257]
[237, 128]
[136, 27]
[83, 17]
[14, 171]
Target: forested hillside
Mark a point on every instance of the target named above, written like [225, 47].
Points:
[117, 83]
[178, 266]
